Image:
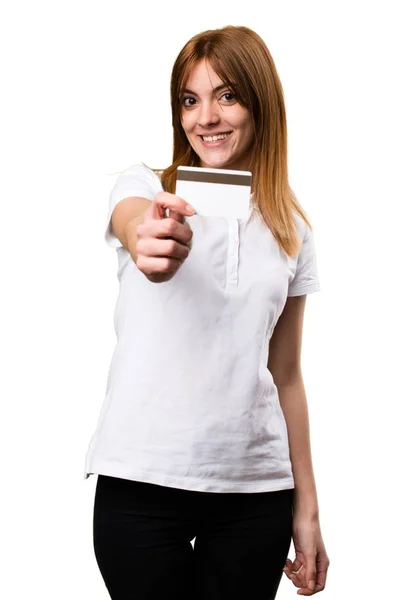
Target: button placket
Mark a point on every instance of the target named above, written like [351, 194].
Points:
[233, 249]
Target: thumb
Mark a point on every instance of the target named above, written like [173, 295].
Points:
[176, 216]
[310, 575]
[157, 211]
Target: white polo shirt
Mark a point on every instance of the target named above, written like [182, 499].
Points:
[190, 402]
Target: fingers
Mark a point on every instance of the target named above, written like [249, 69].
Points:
[297, 566]
[322, 565]
[155, 211]
[310, 576]
[163, 242]
[157, 267]
[165, 200]
[176, 216]
[180, 219]
[296, 575]
[301, 576]
[151, 247]
[158, 257]
[166, 228]
[316, 572]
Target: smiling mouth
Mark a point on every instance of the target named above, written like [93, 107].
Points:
[212, 141]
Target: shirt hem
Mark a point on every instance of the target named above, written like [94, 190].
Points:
[192, 484]
[305, 289]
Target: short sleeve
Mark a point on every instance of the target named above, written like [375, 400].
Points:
[305, 280]
[137, 180]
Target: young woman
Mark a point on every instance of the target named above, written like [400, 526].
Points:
[204, 430]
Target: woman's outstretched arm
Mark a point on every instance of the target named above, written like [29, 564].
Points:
[127, 214]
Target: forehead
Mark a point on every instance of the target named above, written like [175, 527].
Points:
[203, 76]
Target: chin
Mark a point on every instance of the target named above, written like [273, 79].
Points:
[219, 163]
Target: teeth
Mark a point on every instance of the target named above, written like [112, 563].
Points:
[215, 137]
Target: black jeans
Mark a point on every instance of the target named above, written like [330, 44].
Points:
[142, 541]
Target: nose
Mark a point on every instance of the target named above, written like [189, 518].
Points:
[209, 114]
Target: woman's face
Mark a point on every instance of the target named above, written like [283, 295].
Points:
[207, 111]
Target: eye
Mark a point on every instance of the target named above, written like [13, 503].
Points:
[231, 98]
[187, 98]
[229, 94]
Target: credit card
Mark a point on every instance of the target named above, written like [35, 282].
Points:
[215, 192]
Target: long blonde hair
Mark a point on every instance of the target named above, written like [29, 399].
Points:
[242, 60]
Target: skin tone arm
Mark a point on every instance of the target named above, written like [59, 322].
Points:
[285, 366]
[127, 215]
[309, 569]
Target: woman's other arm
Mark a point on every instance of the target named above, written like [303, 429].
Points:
[285, 365]
[309, 569]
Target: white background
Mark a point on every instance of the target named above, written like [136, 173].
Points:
[85, 93]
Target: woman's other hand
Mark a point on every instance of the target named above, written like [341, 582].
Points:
[311, 562]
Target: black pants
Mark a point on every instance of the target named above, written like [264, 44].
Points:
[142, 541]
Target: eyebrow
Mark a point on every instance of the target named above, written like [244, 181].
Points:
[217, 89]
